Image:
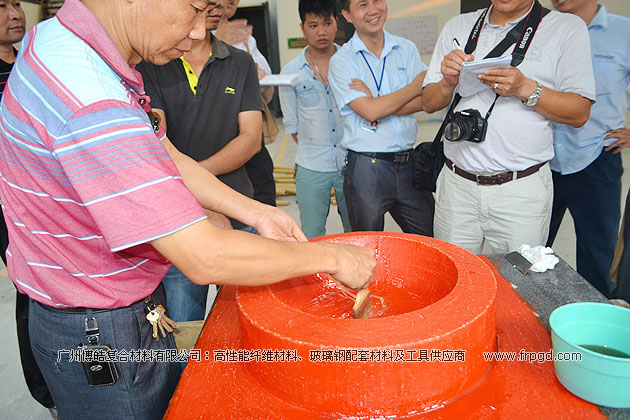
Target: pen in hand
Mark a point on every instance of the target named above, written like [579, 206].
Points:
[456, 44]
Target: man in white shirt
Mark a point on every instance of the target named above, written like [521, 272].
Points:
[500, 189]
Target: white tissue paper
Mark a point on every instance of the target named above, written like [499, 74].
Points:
[541, 257]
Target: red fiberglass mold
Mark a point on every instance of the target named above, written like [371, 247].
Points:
[437, 297]
[438, 308]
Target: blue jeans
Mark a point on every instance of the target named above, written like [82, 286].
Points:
[593, 196]
[187, 300]
[142, 391]
[313, 197]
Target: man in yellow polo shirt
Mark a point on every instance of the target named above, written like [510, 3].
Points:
[210, 106]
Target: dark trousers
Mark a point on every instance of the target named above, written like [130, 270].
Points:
[146, 380]
[623, 274]
[260, 172]
[593, 196]
[32, 375]
[373, 187]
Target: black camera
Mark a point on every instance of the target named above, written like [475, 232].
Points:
[466, 125]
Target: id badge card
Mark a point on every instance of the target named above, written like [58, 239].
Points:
[370, 126]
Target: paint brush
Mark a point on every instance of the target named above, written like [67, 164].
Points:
[362, 306]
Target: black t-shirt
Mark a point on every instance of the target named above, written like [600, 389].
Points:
[201, 124]
[5, 70]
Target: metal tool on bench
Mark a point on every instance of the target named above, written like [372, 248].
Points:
[521, 263]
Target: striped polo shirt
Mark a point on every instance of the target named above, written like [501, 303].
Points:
[86, 183]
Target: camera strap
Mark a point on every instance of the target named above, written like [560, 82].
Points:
[522, 34]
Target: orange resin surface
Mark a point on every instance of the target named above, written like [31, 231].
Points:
[438, 300]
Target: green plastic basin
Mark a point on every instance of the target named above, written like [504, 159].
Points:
[598, 378]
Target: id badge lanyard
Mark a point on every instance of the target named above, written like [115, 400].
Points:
[372, 125]
[376, 82]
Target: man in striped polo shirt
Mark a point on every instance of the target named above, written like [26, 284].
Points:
[12, 29]
[98, 201]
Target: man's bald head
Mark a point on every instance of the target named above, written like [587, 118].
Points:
[156, 31]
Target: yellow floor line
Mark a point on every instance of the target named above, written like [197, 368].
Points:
[280, 154]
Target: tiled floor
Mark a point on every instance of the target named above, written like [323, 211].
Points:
[17, 403]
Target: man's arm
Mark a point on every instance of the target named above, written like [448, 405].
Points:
[215, 218]
[241, 148]
[289, 106]
[214, 195]
[569, 102]
[373, 109]
[411, 107]
[561, 107]
[238, 258]
[438, 95]
[207, 254]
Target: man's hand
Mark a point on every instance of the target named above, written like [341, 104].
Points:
[356, 266]
[359, 85]
[623, 139]
[276, 224]
[436, 96]
[511, 82]
[218, 220]
[452, 65]
[234, 32]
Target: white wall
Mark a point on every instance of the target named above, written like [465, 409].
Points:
[33, 13]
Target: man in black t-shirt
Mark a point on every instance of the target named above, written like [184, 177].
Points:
[12, 28]
[210, 105]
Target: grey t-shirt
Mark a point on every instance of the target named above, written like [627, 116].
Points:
[201, 124]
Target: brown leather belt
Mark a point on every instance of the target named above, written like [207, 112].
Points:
[497, 179]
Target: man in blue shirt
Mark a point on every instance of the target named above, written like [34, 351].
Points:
[312, 118]
[379, 127]
[587, 165]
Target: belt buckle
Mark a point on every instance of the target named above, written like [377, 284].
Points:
[401, 157]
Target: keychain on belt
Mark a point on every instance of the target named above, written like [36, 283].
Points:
[100, 370]
[156, 315]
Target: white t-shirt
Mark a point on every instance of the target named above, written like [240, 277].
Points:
[518, 137]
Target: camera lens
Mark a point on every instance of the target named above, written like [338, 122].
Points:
[453, 131]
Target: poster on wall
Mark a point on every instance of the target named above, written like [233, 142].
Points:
[421, 30]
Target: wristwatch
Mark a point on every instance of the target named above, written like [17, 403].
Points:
[532, 99]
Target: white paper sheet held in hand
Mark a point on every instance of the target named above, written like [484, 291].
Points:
[468, 82]
[280, 80]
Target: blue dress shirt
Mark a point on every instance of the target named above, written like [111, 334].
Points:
[576, 148]
[402, 65]
[309, 110]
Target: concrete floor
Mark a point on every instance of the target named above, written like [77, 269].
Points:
[15, 399]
